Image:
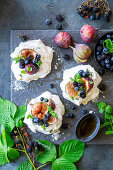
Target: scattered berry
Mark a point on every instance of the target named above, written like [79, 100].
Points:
[48, 114]
[48, 21]
[21, 63]
[67, 115]
[83, 96]
[71, 115]
[108, 66]
[83, 111]
[36, 120]
[101, 72]
[66, 57]
[77, 88]
[59, 27]
[38, 56]
[51, 86]
[34, 61]
[92, 17]
[106, 61]
[26, 62]
[105, 50]
[73, 107]
[75, 84]
[59, 18]
[102, 87]
[46, 100]
[41, 99]
[46, 124]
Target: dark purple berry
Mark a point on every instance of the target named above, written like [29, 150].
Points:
[102, 87]
[59, 17]
[59, 27]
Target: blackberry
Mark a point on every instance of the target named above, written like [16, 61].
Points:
[59, 27]
[103, 63]
[59, 18]
[101, 72]
[21, 63]
[71, 115]
[66, 57]
[102, 87]
[83, 14]
[96, 10]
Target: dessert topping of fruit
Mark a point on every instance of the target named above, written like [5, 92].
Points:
[80, 85]
[28, 60]
[63, 39]
[43, 112]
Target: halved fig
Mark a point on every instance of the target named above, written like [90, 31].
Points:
[41, 116]
[27, 52]
[44, 108]
[88, 83]
[70, 89]
[51, 120]
[52, 104]
[36, 108]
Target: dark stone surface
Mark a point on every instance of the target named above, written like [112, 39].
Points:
[31, 14]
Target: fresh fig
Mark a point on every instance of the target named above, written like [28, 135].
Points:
[88, 33]
[31, 68]
[52, 104]
[63, 39]
[70, 89]
[88, 83]
[51, 120]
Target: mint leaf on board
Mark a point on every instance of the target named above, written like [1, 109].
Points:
[30, 116]
[39, 63]
[52, 112]
[63, 164]
[12, 153]
[109, 132]
[7, 113]
[3, 154]
[49, 154]
[23, 72]
[108, 109]
[71, 150]
[101, 106]
[26, 165]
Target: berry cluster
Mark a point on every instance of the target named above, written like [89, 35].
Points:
[95, 9]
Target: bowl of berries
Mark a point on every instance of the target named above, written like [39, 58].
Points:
[104, 51]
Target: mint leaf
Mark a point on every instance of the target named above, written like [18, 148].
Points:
[3, 154]
[18, 58]
[39, 63]
[43, 127]
[19, 123]
[101, 106]
[77, 76]
[12, 153]
[26, 165]
[79, 80]
[72, 79]
[108, 43]
[108, 109]
[3, 136]
[109, 132]
[51, 111]
[63, 164]
[49, 154]
[29, 69]
[30, 116]
[23, 72]
[91, 82]
[9, 140]
[71, 150]
[72, 97]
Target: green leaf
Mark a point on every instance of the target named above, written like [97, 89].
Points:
[18, 58]
[109, 132]
[3, 154]
[19, 123]
[71, 150]
[90, 82]
[108, 109]
[39, 63]
[79, 80]
[63, 164]
[23, 72]
[43, 127]
[101, 110]
[77, 76]
[3, 136]
[72, 79]
[30, 116]
[26, 165]
[49, 153]
[7, 113]
[72, 97]
[108, 43]
[51, 111]
[12, 153]
[104, 125]
[29, 69]
[101, 106]
[20, 113]
[111, 50]
[9, 140]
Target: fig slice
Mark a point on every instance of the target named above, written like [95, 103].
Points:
[44, 108]
[36, 108]
[52, 104]
[52, 120]
[88, 83]
[70, 89]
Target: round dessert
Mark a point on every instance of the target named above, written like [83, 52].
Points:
[80, 83]
[31, 60]
[44, 113]
[104, 51]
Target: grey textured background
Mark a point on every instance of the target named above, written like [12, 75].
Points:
[31, 14]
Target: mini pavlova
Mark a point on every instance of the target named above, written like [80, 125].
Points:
[80, 83]
[31, 60]
[44, 113]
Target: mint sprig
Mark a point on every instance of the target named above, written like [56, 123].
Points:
[109, 45]
[52, 112]
[29, 69]
[39, 63]
[16, 59]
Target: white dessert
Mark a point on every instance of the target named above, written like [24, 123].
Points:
[93, 92]
[39, 47]
[59, 110]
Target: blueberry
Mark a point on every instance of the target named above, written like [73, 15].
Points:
[83, 96]
[80, 84]
[71, 115]
[105, 50]
[29, 58]
[106, 61]
[97, 53]
[59, 18]
[75, 84]
[108, 66]
[81, 72]
[111, 58]
[45, 119]
[101, 42]
[111, 68]
[21, 63]
[46, 100]
[36, 120]
[24, 37]
[92, 17]
[41, 99]
[59, 27]
[34, 61]
[103, 63]
[73, 107]
[48, 114]
[48, 21]
[98, 17]
[77, 88]
[101, 72]
[66, 57]
[99, 57]
[102, 87]
[26, 62]
[99, 48]
[40, 122]
[87, 73]
[84, 74]
[51, 86]
[46, 124]
[108, 36]
[83, 14]
[82, 92]
[67, 115]
[65, 125]
[38, 56]
[83, 111]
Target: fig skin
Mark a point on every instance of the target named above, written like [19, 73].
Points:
[87, 85]
[52, 104]
[34, 69]
[88, 33]
[63, 39]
